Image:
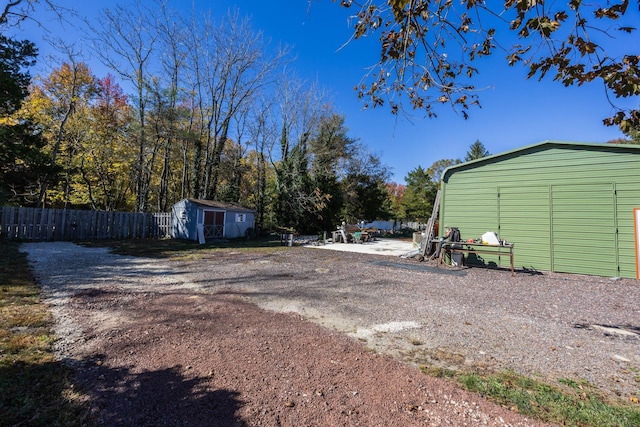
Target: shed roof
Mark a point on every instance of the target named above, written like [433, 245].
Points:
[544, 145]
[229, 206]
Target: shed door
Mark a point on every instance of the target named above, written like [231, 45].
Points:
[525, 221]
[584, 229]
[213, 224]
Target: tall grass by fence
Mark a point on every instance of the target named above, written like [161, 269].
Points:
[66, 224]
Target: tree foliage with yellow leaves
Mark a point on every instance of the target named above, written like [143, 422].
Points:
[60, 104]
[106, 158]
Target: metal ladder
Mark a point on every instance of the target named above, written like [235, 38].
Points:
[426, 240]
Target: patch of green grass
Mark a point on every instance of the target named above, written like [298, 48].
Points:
[437, 372]
[579, 405]
[578, 385]
[171, 248]
[35, 389]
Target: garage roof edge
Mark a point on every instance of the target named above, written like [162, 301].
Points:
[540, 145]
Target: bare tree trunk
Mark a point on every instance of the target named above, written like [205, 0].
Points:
[172, 61]
[233, 70]
[218, 148]
[163, 197]
[126, 41]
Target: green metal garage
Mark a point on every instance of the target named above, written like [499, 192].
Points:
[567, 207]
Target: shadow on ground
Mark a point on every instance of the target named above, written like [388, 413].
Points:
[152, 398]
[115, 397]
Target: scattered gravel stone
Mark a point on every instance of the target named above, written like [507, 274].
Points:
[302, 336]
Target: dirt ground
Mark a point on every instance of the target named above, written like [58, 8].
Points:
[304, 337]
[214, 360]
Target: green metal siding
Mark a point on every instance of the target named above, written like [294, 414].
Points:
[584, 229]
[479, 203]
[567, 207]
[530, 206]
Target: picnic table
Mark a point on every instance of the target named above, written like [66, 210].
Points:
[451, 248]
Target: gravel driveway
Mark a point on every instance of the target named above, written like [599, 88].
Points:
[114, 311]
[547, 325]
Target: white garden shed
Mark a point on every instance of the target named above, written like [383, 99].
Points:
[203, 220]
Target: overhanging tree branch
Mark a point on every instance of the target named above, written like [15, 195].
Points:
[428, 48]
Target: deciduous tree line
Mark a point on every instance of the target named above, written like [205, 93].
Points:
[210, 113]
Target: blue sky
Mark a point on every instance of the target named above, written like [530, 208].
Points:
[515, 112]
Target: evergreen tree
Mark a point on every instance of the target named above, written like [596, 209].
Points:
[476, 151]
[21, 160]
[296, 200]
[419, 194]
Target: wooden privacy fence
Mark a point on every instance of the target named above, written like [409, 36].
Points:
[66, 224]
